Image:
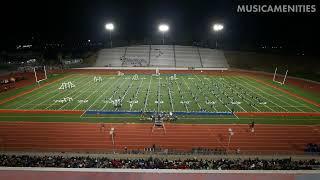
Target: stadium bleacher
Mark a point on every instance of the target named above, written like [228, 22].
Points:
[140, 54]
[161, 56]
[110, 57]
[213, 58]
[187, 56]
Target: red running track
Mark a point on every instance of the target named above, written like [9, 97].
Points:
[88, 137]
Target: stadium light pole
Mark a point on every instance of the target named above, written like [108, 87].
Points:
[110, 28]
[217, 28]
[163, 28]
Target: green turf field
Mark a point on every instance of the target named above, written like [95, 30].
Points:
[125, 118]
[186, 93]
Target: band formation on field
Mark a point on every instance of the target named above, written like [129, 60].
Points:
[159, 93]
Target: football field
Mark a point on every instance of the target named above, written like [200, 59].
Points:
[164, 93]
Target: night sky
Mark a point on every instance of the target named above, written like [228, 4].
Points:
[72, 20]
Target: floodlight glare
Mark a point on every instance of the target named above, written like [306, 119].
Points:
[163, 27]
[109, 26]
[217, 27]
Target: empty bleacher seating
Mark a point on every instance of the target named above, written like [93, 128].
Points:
[187, 56]
[161, 56]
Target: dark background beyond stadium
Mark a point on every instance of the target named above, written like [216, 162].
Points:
[136, 20]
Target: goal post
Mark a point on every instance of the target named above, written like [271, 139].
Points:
[40, 73]
[285, 77]
[274, 74]
[282, 82]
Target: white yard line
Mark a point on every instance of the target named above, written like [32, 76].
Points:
[135, 96]
[235, 115]
[185, 105]
[125, 94]
[145, 104]
[97, 89]
[231, 99]
[190, 91]
[252, 92]
[290, 98]
[264, 91]
[217, 98]
[127, 90]
[286, 96]
[113, 94]
[40, 90]
[248, 99]
[209, 94]
[159, 87]
[42, 95]
[78, 93]
[99, 97]
[73, 91]
[170, 96]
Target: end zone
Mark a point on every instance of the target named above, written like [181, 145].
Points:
[41, 111]
[270, 114]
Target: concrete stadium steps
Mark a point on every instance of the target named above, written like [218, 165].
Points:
[213, 58]
[141, 52]
[164, 56]
[110, 57]
[187, 56]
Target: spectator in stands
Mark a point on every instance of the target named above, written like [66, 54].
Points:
[312, 148]
[155, 163]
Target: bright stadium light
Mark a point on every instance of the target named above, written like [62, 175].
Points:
[217, 28]
[110, 27]
[163, 28]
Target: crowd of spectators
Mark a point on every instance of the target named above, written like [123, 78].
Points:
[207, 151]
[312, 148]
[155, 163]
[154, 149]
[133, 61]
